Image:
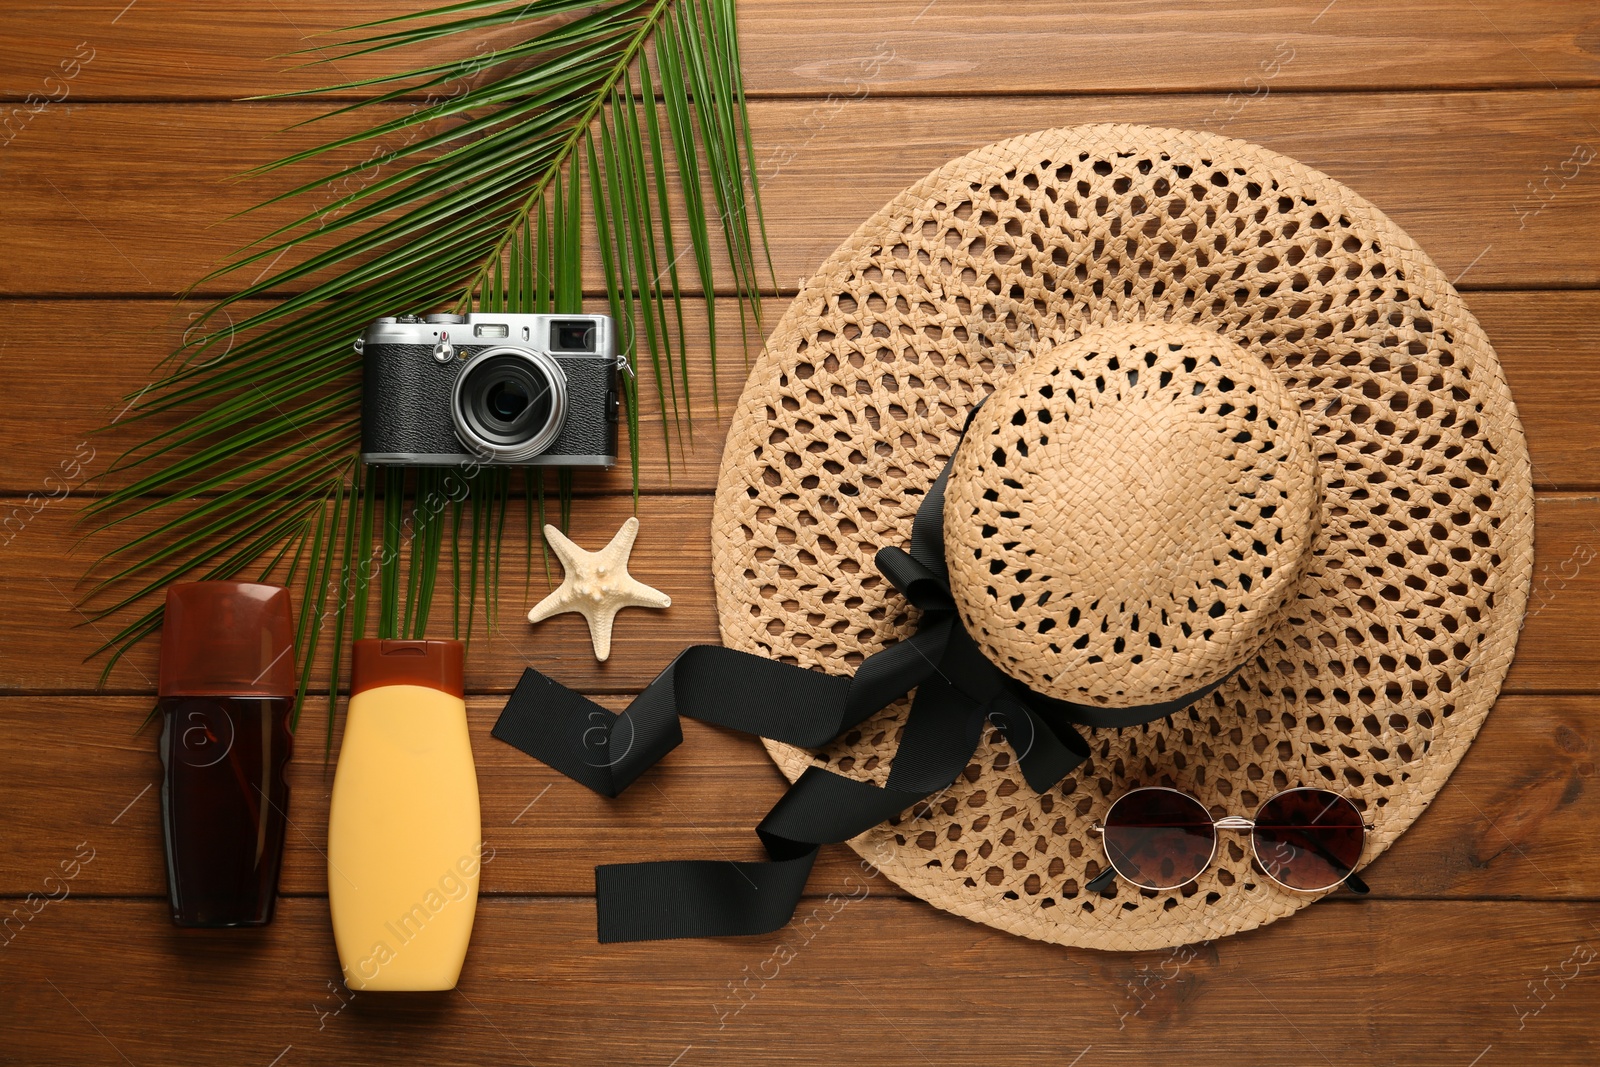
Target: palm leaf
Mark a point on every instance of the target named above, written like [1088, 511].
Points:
[246, 464]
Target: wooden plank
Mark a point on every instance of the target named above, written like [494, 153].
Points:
[40, 568]
[1549, 343]
[1514, 822]
[880, 981]
[181, 50]
[110, 200]
[52, 447]
[46, 640]
[134, 199]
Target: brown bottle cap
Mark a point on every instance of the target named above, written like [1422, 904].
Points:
[228, 639]
[436, 664]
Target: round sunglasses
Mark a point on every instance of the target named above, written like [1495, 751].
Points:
[1305, 839]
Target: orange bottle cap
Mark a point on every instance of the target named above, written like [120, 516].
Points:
[436, 664]
[228, 639]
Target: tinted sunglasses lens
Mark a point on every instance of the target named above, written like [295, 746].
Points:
[1308, 839]
[1159, 839]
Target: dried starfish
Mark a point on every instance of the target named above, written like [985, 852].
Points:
[597, 585]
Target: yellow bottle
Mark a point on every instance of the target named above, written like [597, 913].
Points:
[404, 834]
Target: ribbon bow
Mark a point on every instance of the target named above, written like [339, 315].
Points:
[957, 690]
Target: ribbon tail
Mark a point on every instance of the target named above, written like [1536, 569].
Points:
[941, 733]
[704, 898]
[1046, 751]
[890, 674]
[594, 747]
[697, 898]
[606, 752]
[824, 808]
[927, 528]
[671, 899]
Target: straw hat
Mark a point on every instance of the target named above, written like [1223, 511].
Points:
[1238, 428]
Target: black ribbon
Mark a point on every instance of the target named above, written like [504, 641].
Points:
[957, 690]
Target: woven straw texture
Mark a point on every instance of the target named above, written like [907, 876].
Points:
[1373, 677]
[1131, 514]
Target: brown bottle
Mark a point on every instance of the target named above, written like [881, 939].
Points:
[226, 693]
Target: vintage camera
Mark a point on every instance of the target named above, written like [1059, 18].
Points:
[444, 390]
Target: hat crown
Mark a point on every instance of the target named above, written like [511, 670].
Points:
[1131, 513]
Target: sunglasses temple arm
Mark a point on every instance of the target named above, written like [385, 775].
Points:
[1102, 881]
[1353, 883]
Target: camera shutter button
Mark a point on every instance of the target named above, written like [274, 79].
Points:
[444, 351]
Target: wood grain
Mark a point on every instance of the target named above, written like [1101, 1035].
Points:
[55, 411]
[1547, 342]
[182, 50]
[1482, 942]
[47, 642]
[1514, 822]
[135, 199]
[1385, 982]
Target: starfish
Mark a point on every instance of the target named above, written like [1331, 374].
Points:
[597, 585]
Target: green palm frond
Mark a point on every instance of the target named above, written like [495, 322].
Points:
[472, 198]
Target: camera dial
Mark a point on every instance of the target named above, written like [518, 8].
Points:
[509, 404]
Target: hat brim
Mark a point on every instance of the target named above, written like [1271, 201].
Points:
[1390, 659]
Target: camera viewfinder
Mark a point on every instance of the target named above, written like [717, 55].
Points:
[571, 336]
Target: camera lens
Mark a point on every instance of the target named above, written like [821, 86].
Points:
[507, 400]
[509, 404]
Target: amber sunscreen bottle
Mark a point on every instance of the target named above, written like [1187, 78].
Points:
[227, 686]
[404, 836]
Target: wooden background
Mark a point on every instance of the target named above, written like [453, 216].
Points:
[1473, 124]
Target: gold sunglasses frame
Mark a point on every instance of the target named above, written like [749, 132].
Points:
[1229, 822]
